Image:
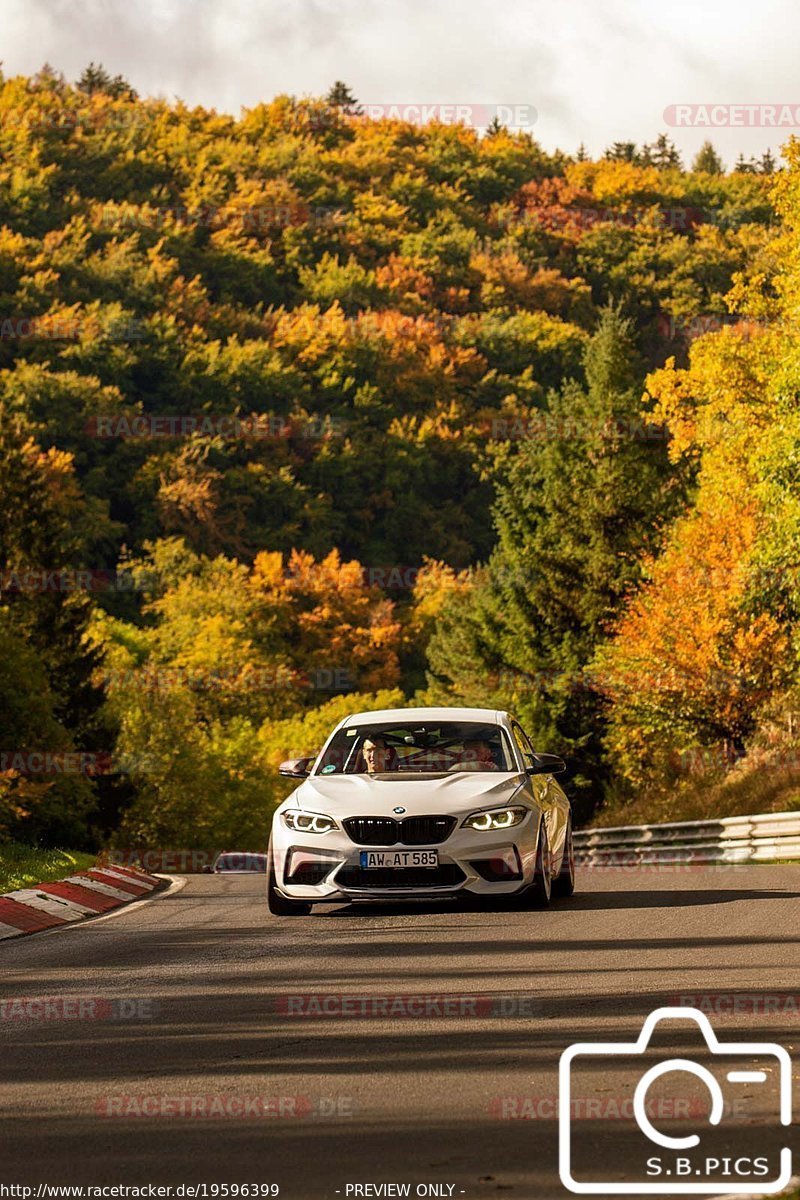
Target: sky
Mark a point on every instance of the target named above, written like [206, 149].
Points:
[591, 71]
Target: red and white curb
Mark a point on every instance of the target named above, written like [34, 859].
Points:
[85, 894]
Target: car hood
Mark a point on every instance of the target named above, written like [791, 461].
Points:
[358, 795]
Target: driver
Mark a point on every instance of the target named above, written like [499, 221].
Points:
[378, 756]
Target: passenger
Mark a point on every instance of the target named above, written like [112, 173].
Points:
[476, 756]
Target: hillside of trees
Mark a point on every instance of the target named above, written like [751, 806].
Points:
[303, 413]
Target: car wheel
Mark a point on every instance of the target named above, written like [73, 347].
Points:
[281, 906]
[538, 894]
[564, 882]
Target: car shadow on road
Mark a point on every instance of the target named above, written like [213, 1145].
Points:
[581, 901]
[677, 898]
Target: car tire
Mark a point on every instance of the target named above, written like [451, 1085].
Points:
[281, 906]
[564, 882]
[537, 895]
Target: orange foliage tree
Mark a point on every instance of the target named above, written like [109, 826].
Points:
[691, 662]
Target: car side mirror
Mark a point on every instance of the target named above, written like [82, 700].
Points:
[297, 768]
[547, 764]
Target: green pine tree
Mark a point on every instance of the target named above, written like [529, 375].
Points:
[766, 164]
[340, 96]
[708, 161]
[95, 78]
[664, 154]
[578, 506]
[621, 152]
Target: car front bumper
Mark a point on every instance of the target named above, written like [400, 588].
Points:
[328, 867]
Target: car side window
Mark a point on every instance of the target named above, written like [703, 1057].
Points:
[523, 745]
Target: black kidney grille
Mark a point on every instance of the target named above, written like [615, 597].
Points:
[426, 831]
[372, 831]
[413, 831]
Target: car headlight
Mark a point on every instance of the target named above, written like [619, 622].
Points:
[495, 818]
[307, 822]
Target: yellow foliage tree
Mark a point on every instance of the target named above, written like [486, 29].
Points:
[707, 643]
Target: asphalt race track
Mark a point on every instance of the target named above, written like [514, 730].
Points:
[464, 1099]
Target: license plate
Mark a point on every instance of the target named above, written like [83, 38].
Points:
[399, 858]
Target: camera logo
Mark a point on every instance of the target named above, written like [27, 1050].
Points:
[758, 1076]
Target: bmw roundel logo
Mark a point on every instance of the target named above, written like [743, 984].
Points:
[398, 810]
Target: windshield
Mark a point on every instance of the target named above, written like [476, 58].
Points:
[432, 748]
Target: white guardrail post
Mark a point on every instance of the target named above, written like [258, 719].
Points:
[767, 837]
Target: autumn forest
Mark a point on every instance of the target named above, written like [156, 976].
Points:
[305, 412]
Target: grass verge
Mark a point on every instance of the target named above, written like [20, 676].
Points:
[25, 866]
[746, 789]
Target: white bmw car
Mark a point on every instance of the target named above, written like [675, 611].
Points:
[422, 802]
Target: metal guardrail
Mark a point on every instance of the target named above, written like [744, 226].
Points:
[767, 837]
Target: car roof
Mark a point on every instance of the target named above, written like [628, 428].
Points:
[486, 716]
